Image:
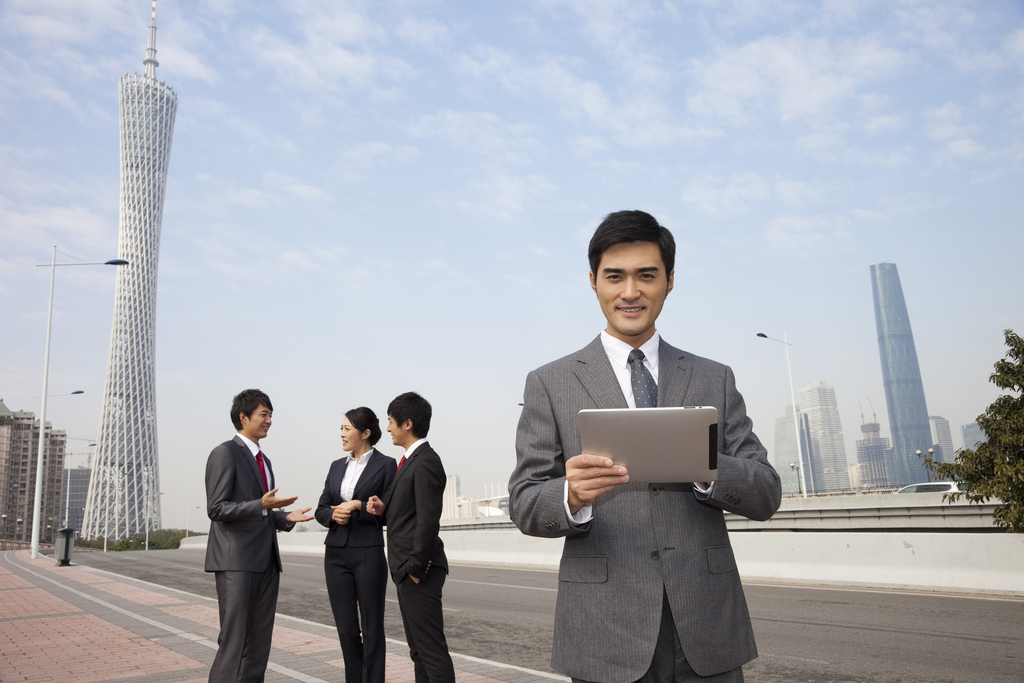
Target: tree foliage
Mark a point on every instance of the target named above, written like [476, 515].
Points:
[161, 539]
[995, 468]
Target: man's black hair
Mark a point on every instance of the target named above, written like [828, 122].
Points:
[631, 226]
[248, 402]
[362, 418]
[411, 406]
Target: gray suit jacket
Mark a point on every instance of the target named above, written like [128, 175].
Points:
[645, 540]
[241, 537]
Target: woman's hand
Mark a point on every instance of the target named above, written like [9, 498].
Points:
[342, 513]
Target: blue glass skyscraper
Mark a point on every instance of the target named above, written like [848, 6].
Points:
[901, 374]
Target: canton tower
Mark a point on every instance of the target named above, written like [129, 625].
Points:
[901, 375]
[125, 484]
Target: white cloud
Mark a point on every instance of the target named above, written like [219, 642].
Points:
[798, 192]
[251, 131]
[617, 28]
[714, 196]
[809, 235]
[427, 33]
[943, 125]
[798, 77]
[331, 48]
[502, 195]
[356, 161]
[638, 120]
[480, 132]
[296, 188]
[884, 123]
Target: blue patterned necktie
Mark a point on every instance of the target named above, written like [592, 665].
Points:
[645, 391]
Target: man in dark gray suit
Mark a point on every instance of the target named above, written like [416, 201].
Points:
[648, 586]
[412, 513]
[242, 546]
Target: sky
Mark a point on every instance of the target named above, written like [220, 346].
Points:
[370, 198]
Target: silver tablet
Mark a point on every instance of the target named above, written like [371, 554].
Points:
[655, 445]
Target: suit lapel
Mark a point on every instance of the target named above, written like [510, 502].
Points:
[339, 476]
[373, 463]
[594, 371]
[674, 376]
[247, 454]
[405, 469]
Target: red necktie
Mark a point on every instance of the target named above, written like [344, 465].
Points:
[400, 463]
[263, 470]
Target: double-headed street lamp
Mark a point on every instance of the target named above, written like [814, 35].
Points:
[792, 397]
[37, 503]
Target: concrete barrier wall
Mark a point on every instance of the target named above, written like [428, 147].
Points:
[952, 562]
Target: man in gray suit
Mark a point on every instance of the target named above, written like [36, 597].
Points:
[648, 587]
[242, 546]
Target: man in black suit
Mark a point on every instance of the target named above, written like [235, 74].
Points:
[242, 546]
[412, 512]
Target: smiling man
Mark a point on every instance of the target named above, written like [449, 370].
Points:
[242, 547]
[648, 587]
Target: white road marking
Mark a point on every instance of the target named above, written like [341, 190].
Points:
[504, 585]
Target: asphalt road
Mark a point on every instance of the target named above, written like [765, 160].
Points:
[804, 635]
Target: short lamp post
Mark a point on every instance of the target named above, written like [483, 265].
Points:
[37, 502]
[931, 452]
[792, 397]
[187, 510]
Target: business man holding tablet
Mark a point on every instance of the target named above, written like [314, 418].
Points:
[648, 587]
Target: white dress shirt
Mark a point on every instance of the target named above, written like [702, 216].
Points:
[618, 355]
[409, 451]
[352, 473]
[254, 448]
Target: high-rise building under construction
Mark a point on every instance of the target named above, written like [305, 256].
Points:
[124, 488]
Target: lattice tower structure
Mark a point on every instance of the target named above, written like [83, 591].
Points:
[124, 489]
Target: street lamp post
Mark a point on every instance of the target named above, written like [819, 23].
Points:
[187, 510]
[37, 503]
[931, 452]
[792, 397]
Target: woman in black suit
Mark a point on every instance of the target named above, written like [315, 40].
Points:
[354, 563]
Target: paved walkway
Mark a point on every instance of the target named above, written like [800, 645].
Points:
[78, 624]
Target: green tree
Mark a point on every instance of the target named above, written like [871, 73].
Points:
[995, 468]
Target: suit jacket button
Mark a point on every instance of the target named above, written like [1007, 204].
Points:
[551, 526]
[655, 555]
[655, 489]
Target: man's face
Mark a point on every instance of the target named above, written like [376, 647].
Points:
[631, 285]
[256, 426]
[401, 434]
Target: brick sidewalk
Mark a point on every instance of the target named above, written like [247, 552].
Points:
[77, 625]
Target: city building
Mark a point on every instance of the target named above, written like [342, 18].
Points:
[76, 492]
[19, 455]
[124, 489]
[901, 375]
[874, 456]
[785, 453]
[450, 508]
[942, 439]
[826, 448]
[972, 435]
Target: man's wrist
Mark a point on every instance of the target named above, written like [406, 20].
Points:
[573, 502]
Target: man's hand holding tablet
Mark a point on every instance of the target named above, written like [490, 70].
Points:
[589, 476]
